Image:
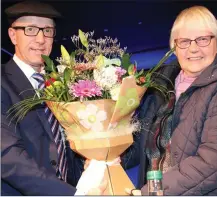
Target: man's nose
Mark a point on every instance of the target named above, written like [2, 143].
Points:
[40, 37]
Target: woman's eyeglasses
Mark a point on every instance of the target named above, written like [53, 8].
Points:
[201, 41]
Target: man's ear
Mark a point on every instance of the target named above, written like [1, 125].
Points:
[12, 35]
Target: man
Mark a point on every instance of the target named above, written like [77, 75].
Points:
[31, 162]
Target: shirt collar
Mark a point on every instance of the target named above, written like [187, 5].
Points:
[26, 69]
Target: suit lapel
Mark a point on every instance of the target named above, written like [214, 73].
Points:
[19, 81]
[25, 90]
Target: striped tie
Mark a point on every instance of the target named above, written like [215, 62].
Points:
[56, 129]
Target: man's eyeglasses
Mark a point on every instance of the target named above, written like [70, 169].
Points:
[49, 32]
[184, 43]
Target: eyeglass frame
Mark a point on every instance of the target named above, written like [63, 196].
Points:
[210, 36]
[39, 29]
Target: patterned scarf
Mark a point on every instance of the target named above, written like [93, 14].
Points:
[158, 143]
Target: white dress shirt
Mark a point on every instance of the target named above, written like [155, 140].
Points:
[27, 70]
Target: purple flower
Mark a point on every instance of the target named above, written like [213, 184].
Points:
[84, 89]
[120, 72]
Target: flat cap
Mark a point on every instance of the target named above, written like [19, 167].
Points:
[32, 8]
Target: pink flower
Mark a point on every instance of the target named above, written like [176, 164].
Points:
[84, 89]
[85, 66]
[120, 72]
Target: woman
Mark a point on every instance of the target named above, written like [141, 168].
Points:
[179, 135]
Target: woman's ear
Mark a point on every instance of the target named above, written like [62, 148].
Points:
[12, 35]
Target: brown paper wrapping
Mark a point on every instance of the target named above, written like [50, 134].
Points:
[115, 136]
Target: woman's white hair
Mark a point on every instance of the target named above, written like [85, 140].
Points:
[195, 14]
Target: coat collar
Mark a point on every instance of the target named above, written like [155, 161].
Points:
[209, 75]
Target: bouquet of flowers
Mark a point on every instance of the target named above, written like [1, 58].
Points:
[93, 93]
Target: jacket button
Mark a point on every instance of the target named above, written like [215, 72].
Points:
[146, 123]
[53, 162]
[176, 155]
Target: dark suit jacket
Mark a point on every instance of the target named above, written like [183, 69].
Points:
[28, 150]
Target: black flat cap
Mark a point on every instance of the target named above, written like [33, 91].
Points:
[31, 8]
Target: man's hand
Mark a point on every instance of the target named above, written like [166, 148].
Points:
[100, 190]
[133, 192]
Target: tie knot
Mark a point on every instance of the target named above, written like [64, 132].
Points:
[40, 79]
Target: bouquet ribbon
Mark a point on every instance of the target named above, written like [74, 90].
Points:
[93, 176]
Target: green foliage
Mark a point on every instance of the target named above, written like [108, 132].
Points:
[68, 73]
[132, 69]
[72, 58]
[83, 38]
[50, 67]
[165, 57]
[65, 54]
[125, 62]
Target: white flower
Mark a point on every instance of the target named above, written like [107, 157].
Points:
[61, 68]
[91, 118]
[115, 92]
[106, 77]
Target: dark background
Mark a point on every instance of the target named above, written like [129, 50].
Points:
[141, 25]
